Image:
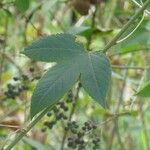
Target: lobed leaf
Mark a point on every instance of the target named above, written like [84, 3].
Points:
[72, 61]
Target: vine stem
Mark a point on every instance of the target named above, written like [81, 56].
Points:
[24, 131]
[119, 41]
[92, 26]
[126, 26]
[139, 5]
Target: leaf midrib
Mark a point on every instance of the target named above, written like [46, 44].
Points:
[54, 48]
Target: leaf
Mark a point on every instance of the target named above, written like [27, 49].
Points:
[96, 77]
[54, 48]
[72, 61]
[145, 91]
[22, 5]
[53, 85]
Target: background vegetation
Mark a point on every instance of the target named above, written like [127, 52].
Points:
[125, 124]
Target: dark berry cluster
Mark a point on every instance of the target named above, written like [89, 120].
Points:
[15, 90]
[31, 69]
[59, 111]
[57, 114]
[72, 126]
[76, 143]
[96, 142]
[80, 133]
[20, 85]
[49, 124]
[11, 91]
[25, 77]
[62, 105]
[88, 126]
[76, 140]
[80, 137]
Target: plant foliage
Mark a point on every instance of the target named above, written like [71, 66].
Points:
[72, 61]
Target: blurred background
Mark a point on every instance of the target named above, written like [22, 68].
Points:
[125, 124]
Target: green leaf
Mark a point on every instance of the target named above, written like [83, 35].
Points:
[22, 5]
[96, 77]
[72, 61]
[53, 85]
[54, 48]
[145, 91]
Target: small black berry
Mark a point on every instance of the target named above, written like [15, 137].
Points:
[37, 77]
[84, 128]
[31, 69]
[43, 130]
[46, 123]
[94, 127]
[80, 134]
[25, 77]
[49, 114]
[10, 86]
[77, 140]
[65, 108]
[73, 130]
[65, 117]
[15, 78]
[55, 109]
[70, 139]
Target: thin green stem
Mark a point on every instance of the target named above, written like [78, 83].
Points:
[24, 131]
[123, 39]
[139, 5]
[92, 26]
[126, 26]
